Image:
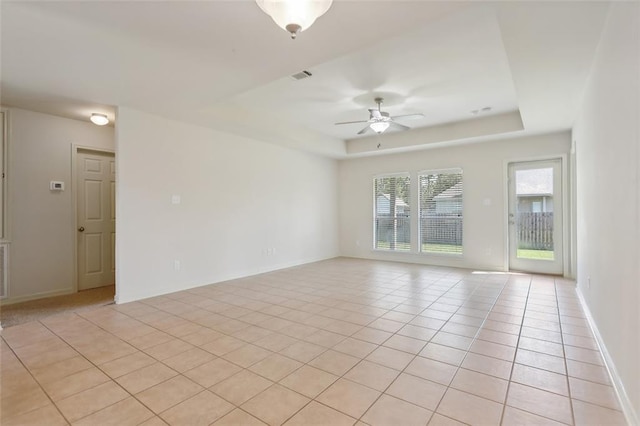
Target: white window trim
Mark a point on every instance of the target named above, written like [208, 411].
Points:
[440, 171]
[395, 174]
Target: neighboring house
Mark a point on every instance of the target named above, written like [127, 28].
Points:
[449, 201]
[383, 206]
[535, 203]
[534, 189]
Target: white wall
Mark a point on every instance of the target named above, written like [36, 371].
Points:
[483, 167]
[41, 222]
[240, 200]
[607, 161]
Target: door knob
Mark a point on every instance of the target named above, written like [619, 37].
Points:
[81, 229]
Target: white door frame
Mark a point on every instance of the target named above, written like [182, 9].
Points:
[74, 200]
[565, 207]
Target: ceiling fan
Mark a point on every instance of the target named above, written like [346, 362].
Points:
[379, 121]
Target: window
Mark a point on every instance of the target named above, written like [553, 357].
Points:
[392, 215]
[441, 212]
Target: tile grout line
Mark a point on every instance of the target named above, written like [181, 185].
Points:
[564, 355]
[35, 380]
[342, 376]
[244, 368]
[314, 399]
[459, 366]
[434, 411]
[39, 384]
[515, 354]
[469, 349]
[396, 292]
[400, 372]
[111, 379]
[535, 367]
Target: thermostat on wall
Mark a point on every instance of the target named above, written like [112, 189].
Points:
[55, 185]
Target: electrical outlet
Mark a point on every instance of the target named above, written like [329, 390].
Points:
[176, 265]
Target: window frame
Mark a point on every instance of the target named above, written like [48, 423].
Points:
[420, 174]
[374, 239]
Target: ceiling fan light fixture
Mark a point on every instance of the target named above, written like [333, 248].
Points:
[99, 119]
[294, 16]
[379, 126]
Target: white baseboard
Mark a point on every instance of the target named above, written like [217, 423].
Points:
[219, 279]
[627, 407]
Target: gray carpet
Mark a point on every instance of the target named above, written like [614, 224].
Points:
[35, 310]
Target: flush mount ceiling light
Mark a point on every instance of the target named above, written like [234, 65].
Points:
[99, 119]
[294, 16]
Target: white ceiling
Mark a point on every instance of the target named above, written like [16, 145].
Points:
[444, 70]
[226, 65]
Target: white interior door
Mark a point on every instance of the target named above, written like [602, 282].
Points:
[96, 219]
[535, 217]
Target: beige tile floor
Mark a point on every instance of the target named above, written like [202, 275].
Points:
[337, 342]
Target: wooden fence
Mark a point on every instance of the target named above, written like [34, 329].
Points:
[535, 231]
[435, 229]
[393, 231]
[441, 229]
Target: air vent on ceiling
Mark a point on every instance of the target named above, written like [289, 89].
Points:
[301, 75]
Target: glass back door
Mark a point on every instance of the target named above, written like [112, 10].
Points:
[535, 217]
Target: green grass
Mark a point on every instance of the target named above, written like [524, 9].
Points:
[384, 245]
[454, 249]
[426, 248]
[535, 254]
[442, 248]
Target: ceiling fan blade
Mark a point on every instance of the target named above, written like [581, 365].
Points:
[350, 122]
[363, 131]
[408, 116]
[399, 126]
